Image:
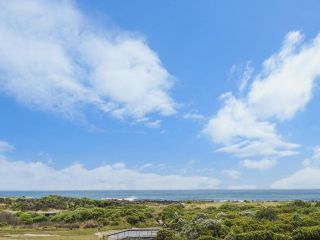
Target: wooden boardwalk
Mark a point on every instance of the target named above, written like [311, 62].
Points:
[134, 233]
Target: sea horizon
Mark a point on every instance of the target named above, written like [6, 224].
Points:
[178, 195]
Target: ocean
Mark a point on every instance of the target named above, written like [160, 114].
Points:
[178, 195]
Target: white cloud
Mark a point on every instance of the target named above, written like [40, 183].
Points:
[307, 177]
[285, 85]
[260, 164]
[147, 165]
[54, 59]
[247, 126]
[236, 127]
[316, 152]
[242, 74]
[5, 147]
[153, 124]
[230, 173]
[314, 160]
[246, 76]
[36, 175]
[195, 116]
[20, 175]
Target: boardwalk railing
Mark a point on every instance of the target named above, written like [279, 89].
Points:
[134, 233]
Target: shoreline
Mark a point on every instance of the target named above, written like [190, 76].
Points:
[178, 195]
[166, 202]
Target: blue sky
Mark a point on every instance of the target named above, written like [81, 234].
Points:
[177, 94]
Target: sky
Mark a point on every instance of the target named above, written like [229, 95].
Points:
[109, 94]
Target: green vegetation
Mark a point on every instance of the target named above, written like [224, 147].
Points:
[297, 220]
[72, 213]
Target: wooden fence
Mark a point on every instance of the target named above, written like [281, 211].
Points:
[134, 233]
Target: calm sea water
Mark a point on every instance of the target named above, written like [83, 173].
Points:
[218, 195]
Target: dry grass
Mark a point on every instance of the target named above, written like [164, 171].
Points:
[204, 204]
[19, 234]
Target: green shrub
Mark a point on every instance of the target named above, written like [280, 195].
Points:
[3, 224]
[317, 204]
[165, 234]
[229, 206]
[172, 212]
[307, 233]
[300, 203]
[207, 238]
[135, 219]
[260, 235]
[25, 218]
[267, 214]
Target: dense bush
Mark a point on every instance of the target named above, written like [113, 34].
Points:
[165, 234]
[135, 219]
[260, 235]
[267, 214]
[300, 203]
[297, 220]
[307, 233]
[207, 238]
[30, 218]
[56, 202]
[202, 225]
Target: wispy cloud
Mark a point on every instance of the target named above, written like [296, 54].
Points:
[231, 173]
[314, 160]
[247, 126]
[259, 164]
[5, 147]
[54, 59]
[194, 116]
[146, 166]
[242, 74]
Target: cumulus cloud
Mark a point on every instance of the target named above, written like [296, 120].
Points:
[230, 173]
[54, 59]
[36, 175]
[20, 175]
[285, 85]
[247, 126]
[307, 177]
[236, 127]
[259, 164]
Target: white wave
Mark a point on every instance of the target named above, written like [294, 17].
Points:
[132, 198]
